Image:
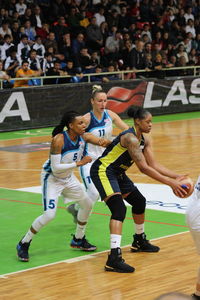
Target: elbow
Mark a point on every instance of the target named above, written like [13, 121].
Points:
[143, 169]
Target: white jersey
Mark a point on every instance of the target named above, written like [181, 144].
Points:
[71, 152]
[193, 209]
[99, 128]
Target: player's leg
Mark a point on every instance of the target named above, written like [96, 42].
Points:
[89, 187]
[108, 188]
[138, 203]
[75, 192]
[196, 237]
[50, 193]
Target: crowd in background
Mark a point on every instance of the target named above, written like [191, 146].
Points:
[76, 37]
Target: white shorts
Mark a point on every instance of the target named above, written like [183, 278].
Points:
[89, 185]
[52, 187]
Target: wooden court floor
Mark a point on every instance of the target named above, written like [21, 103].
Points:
[176, 145]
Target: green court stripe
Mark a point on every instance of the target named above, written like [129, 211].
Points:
[47, 131]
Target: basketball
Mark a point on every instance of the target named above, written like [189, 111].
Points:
[188, 185]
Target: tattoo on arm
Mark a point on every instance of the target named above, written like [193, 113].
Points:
[132, 145]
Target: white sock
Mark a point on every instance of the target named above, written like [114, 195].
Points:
[28, 237]
[80, 231]
[139, 228]
[115, 241]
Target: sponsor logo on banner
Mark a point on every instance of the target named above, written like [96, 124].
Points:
[146, 94]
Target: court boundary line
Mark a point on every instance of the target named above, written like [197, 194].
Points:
[79, 258]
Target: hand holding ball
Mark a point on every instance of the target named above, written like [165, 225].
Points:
[188, 185]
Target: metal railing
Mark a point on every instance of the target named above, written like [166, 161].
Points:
[196, 71]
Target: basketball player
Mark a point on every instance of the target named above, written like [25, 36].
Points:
[193, 220]
[67, 149]
[99, 122]
[110, 179]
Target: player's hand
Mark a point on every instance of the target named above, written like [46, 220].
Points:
[85, 160]
[177, 188]
[104, 142]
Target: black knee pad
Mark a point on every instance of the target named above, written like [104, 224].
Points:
[137, 201]
[117, 207]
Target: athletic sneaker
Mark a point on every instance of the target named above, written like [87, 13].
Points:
[141, 244]
[71, 209]
[116, 263]
[22, 251]
[195, 297]
[82, 244]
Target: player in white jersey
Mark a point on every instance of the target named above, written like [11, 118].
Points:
[99, 122]
[67, 152]
[193, 220]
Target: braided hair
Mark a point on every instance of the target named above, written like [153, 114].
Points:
[67, 118]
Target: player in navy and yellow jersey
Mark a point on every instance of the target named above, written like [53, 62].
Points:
[67, 152]
[99, 122]
[108, 175]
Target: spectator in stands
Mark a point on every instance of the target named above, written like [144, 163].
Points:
[74, 19]
[29, 31]
[158, 66]
[10, 7]
[97, 70]
[43, 32]
[71, 70]
[39, 47]
[137, 57]
[126, 54]
[181, 52]
[149, 65]
[26, 16]
[25, 72]
[55, 71]
[47, 62]
[4, 29]
[181, 62]
[173, 63]
[6, 47]
[193, 57]
[12, 63]
[23, 48]
[180, 17]
[94, 36]
[37, 18]
[100, 16]
[85, 21]
[78, 43]
[57, 9]
[104, 31]
[3, 15]
[21, 7]
[15, 33]
[113, 18]
[84, 61]
[3, 74]
[190, 28]
[188, 15]
[51, 42]
[33, 60]
[146, 30]
[124, 19]
[110, 77]
[64, 46]
[60, 28]
[113, 46]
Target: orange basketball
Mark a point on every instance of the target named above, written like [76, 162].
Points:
[188, 185]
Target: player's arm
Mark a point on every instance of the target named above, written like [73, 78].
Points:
[151, 161]
[119, 123]
[55, 156]
[130, 142]
[90, 138]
